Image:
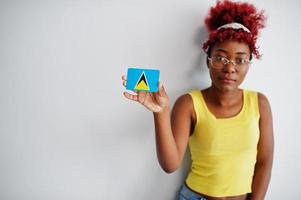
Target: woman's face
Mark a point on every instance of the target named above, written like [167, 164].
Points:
[228, 77]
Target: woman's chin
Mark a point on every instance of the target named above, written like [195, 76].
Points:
[227, 88]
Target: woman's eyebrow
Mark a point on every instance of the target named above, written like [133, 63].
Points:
[241, 53]
[221, 50]
[225, 51]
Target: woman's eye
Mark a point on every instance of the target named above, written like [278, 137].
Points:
[220, 58]
[240, 61]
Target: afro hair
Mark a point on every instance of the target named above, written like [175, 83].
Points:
[225, 12]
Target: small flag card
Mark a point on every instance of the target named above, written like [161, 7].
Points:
[142, 79]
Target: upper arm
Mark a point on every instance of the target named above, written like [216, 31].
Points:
[181, 120]
[266, 140]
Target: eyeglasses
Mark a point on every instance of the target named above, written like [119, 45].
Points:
[219, 62]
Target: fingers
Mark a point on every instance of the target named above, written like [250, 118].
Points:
[123, 77]
[133, 97]
[161, 90]
[130, 96]
[141, 97]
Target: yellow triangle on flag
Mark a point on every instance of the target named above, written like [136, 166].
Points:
[142, 83]
[142, 86]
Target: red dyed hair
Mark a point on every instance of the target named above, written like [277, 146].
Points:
[227, 12]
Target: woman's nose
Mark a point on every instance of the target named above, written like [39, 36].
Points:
[229, 68]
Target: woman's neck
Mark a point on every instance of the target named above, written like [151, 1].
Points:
[224, 98]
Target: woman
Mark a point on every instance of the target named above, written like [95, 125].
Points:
[228, 129]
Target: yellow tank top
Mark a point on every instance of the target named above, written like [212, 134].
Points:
[223, 150]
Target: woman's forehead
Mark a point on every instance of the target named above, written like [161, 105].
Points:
[232, 46]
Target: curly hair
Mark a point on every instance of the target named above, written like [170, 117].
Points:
[225, 12]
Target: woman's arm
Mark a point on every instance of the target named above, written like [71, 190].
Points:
[265, 149]
[172, 133]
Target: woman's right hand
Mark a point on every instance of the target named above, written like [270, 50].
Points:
[155, 102]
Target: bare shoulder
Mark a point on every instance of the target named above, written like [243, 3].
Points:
[264, 105]
[184, 100]
[262, 98]
[184, 105]
[183, 116]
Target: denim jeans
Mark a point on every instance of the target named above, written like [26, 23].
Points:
[186, 194]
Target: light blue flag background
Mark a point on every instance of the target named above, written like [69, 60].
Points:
[151, 75]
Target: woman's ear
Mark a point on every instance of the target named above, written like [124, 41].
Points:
[207, 61]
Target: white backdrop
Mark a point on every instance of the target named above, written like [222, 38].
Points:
[67, 132]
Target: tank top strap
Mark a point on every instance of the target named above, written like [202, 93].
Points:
[199, 105]
[251, 104]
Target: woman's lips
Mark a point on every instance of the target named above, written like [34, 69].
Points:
[227, 80]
